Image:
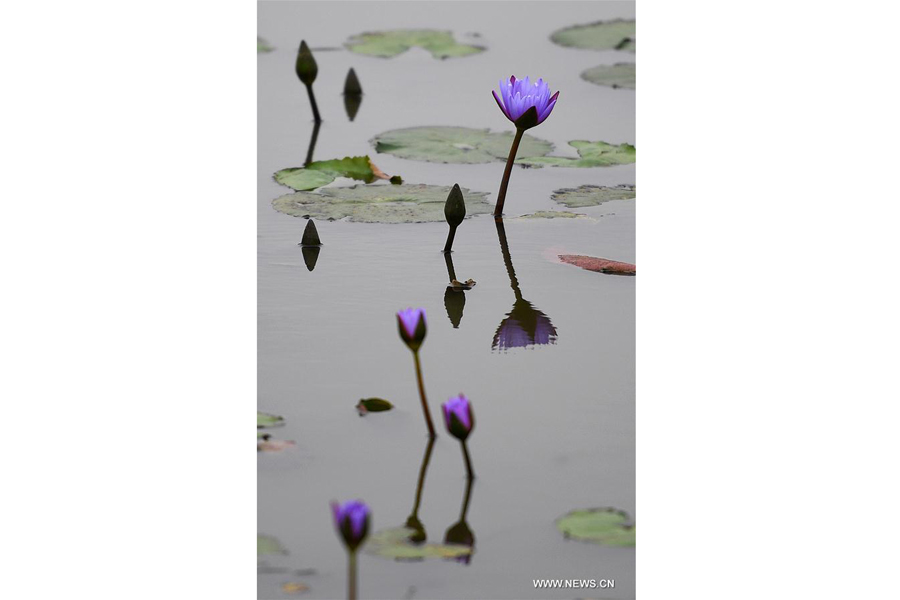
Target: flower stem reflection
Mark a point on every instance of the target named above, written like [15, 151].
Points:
[460, 532]
[413, 521]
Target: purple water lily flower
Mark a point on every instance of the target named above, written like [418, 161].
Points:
[411, 323]
[458, 417]
[352, 522]
[519, 95]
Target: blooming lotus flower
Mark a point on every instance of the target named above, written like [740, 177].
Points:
[520, 95]
[458, 417]
[411, 323]
[352, 522]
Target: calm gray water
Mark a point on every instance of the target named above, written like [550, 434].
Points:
[555, 423]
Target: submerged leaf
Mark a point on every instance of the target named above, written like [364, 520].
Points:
[620, 75]
[605, 526]
[405, 203]
[266, 420]
[262, 45]
[602, 35]
[552, 214]
[323, 172]
[461, 145]
[367, 405]
[592, 154]
[386, 44]
[398, 544]
[592, 195]
[266, 544]
[599, 265]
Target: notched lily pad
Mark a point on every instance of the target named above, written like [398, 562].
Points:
[367, 405]
[262, 45]
[604, 526]
[619, 75]
[267, 545]
[406, 203]
[553, 214]
[459, 145]
[387, 44]
[591, 154]
[267, 420]
[322, 172]
[602, 35]
[396, 544]
[599, 265]
[592, 195]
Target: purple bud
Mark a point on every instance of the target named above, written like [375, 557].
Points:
[458, 417]
[518, 96]
[352, 522]
[411, 323]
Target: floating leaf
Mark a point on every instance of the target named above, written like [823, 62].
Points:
[396, 543]
[620, 75]
[593, 154]
[262, 45]
[270, 445]
[605, 526]
[266, 544]
[602, 35]
[552, 214]
[323, 172]
[378, 203]
[600, 265]
[266, 420]
[367, 405]
[460, 145]
[387, 44]
[592, 195]
[294, 587]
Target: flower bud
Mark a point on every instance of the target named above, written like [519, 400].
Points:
[458, 417]
[411, 323]
[352, 521]
[306, 65]
[455, 207]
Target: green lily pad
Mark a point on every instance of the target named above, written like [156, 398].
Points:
[395, 543]
[602, 35]
[592, 195]
[266, 420]
[266, 545]
[407, 203]
[552, 214]
[604, 526]
[460, 145]
[387, 44]
[323, 172]
[367, 405]
[262, 46]
[620, 75]
[592, 154]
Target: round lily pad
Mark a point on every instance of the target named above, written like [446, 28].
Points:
[604, 526]
[407, 203]
[620, 75]
[387, 44]
[323, 172]
[266, 420]
[456, 144]
[602, 35]
[592, 195]
[591, 154]
[396, 543]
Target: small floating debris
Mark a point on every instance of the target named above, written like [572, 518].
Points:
[456, 285]
[367, 405]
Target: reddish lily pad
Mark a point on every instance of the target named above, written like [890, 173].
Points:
[600, 265]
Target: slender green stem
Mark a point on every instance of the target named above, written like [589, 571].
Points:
[428, 422]
[501, 196]
[450, 236]
[451, 272]
[469, 470]
[312, 143]
[312, 101]
[351, 576]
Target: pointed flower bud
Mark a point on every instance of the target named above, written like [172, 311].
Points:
[352, 521]
[351, 84]
[310, 235]
[458, 417]
[455, 208]
[306, 65]
[412, 327]
[519, 96]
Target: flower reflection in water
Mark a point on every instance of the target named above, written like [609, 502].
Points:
[524, 325]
